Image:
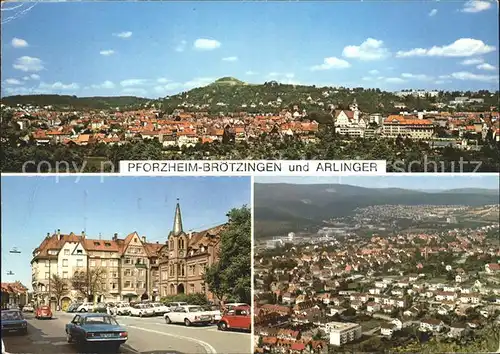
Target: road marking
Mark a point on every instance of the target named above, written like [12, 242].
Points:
[41, 342]
[60, 343]
[208, 348]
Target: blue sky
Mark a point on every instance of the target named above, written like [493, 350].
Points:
[420, 182]
[154, 49]
[33, 206]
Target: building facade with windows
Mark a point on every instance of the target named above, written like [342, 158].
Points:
[184, 258]
[130, 267]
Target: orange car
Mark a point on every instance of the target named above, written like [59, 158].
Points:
[43, 312]
[237, 318]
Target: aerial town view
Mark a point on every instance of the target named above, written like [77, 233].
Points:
[83, 88]
[158, 269]
[377, 265]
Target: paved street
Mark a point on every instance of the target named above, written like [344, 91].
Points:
[146, 336]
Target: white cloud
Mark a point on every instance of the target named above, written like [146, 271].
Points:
[463, 47]
[290, 75]
[485, 66]
[394, 80]
[473, 6]
[433, 12]
[162, 80]
[107, 52]
[27, 63]
[126, 34]
[473, 61]
[371, 49]
[104, 85]
[373, 72]
[19, 43]
[206, 44]
[420, 77]
[230, 59]
[13, 82]
[181, 46]
[331, 63]
[199, 82]
[31, 77]
[59, 86]
[135, 91]
[464, 75]
[133, 82]
[250, 72]
[168, 88]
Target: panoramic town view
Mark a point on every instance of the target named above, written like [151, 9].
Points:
[91, 89]
[377, 264]
[159, 269]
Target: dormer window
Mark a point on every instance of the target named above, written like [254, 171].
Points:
[96, 243]
[107, 244]
[202, 249]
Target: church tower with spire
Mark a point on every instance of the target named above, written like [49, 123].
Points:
[177, 247]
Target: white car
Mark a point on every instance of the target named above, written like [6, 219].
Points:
[142, 310]
[173, 305]
[216, 313]
[122, 309]
[160, 309]
[189, 314]
[232, 305]
[85, 307]
[28, 308]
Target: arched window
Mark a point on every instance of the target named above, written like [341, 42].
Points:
[171, 244]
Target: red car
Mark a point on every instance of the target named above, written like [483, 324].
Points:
[43, 312]
[237, 318]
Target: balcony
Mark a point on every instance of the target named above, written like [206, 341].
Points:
[141, 265]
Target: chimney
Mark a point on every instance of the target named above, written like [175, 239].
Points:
[115, 236]
[59, 237]
[157, 242]
[48, 235]
[143, 239]
[83, 234]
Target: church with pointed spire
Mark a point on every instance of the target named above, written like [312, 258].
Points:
[185, 256]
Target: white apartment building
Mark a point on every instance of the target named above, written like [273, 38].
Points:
[342, 333]
[408, 126]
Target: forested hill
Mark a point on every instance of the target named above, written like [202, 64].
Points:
[76, 103]
[280, 208]
[229, 94]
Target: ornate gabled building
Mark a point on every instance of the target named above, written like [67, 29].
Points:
[184, 258]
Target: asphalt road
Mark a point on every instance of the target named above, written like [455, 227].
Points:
[146, 336]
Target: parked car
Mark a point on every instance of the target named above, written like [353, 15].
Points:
[189, 314]
[28, 308]
[142, 310]
[173, 305]
[13, 321]
[89, 329]
[214, 311]
[100, 308]
[238, 318]
[122, 309]
[43, 312]
[85, 307]
[230, 306]
[73, 307]
[160, 309]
